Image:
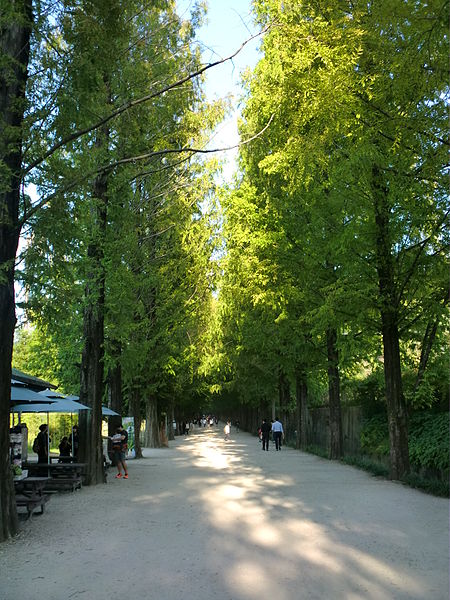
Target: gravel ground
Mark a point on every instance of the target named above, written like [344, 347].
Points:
[207, 519]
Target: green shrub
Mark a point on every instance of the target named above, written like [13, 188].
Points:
[375, 436]
[367, 465]
[432, 453]
[318, 451]
[429, 440]
[369, 393]
[431, 486]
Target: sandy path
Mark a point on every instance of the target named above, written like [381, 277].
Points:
[206, 519]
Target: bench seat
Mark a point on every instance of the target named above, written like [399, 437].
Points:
[32, 502]
[63, 483]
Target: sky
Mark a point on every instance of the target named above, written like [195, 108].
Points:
[228, 24]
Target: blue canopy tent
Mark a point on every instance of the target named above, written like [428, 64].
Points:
[106, 412]
[63, 405]
[52, 394]
[20, 393]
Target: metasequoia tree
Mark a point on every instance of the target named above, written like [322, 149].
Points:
[354, 169]
[60, 143]
[15, 46]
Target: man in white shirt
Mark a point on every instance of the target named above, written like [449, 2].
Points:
[277, 432]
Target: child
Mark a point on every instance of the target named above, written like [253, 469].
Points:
[64, 450]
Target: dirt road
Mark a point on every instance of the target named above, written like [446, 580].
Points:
[213, 520]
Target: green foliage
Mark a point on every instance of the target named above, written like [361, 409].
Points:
[430, 485]
[318, 451]
[50, 353]
[371, 466]
[355, 117]
[369, 393]
[436, 487]
[374, 436]
[429, 440]
[134, 245]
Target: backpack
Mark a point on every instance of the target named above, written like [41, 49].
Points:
[36, 445]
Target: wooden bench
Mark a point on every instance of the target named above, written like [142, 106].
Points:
[63, 476]
[32, 502]
[58, 483]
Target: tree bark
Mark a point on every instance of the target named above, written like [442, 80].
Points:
[396, 406]
[152, 437]
[15, 35]
[301, 395]
[284, 395]
[171, 434]
[136, 413]
[116, 399]
[92, 372]
[334, 396]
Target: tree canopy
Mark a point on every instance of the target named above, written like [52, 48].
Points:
[153, 285]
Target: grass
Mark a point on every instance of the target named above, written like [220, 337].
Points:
[435, 487]
[361, 462]
[318, 451]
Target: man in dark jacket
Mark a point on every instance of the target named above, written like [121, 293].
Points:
[265, 433]
[42, 449]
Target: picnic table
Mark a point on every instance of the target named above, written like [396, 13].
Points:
[30, 493]
[62, 459]
[62, 476]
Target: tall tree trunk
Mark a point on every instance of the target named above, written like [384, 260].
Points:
[15, 31]
[92, 372]
[136, 413]
[116, 398]
[152, 437]
[334, 396]
[284, 394]
[171, 433]
[396, 406]
[301, 395]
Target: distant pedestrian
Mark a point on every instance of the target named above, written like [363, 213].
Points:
[120, 446]
[277, 433]
[265, 434]
[227, 430]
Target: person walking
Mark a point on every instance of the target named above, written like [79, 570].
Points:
[265, 434]
[120, 446]
[277, 432]
[227, 430]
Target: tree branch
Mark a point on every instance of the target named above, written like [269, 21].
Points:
[166, 151]
[138, 102]
[133, 159]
